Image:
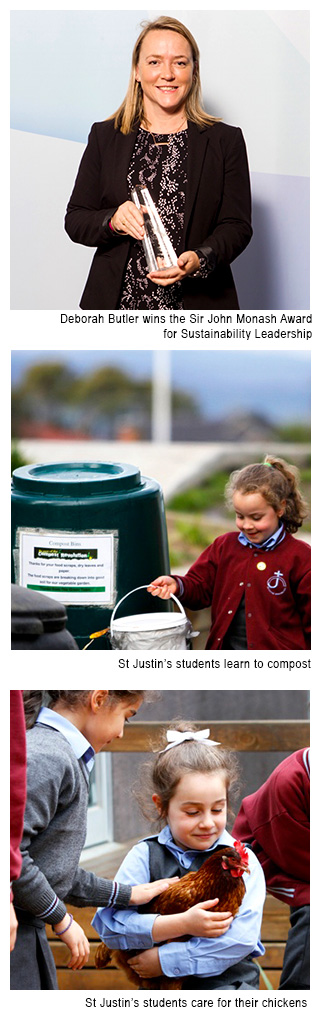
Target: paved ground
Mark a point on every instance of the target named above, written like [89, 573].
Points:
[174, 465]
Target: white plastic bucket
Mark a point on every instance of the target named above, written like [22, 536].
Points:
[150, 630]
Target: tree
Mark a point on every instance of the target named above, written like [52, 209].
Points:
[50, 391]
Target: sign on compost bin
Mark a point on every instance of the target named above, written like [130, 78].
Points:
[76, 568]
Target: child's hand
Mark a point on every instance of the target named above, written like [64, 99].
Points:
[203, 923]
[164, 586]
[13, 927]
[145, 893]
[146, 964]
[76, 941]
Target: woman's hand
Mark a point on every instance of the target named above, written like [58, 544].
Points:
[188, 263]
[146, 964]
[164, 586]
[128, 220]
[145, 893]
[76, 941]
[202, 922]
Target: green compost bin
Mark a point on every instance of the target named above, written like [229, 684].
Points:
[88, 533]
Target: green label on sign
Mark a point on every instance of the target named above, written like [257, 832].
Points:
[47, 587]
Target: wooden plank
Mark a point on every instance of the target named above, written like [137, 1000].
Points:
[112, 981]
[276, 907]
[273, 955]
[274, 929]
[245, 735]
[275, 921]
[274, 978]
[103, 980]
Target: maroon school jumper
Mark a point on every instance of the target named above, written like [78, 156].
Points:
[276, 585]
[275, 821]
[17, 781]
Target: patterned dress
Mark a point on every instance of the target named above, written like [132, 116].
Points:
[162, 169]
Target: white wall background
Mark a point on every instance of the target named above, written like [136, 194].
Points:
[70, 68]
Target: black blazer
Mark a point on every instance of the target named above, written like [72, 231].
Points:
[217, 211]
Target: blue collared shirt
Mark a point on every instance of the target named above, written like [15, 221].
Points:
[80, 745]
[269, 543]
[127, 929]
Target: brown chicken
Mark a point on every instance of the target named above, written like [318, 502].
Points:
[219, 876]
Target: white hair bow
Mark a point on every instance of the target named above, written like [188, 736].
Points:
[175, 737]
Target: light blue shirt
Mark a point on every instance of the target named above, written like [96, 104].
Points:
[269, 543]
[80, 745]
[127, 929]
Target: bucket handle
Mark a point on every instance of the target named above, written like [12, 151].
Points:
[141, 586]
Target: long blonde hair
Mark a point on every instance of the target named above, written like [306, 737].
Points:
[131, 110]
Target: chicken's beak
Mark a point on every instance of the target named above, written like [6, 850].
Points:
[237, 869]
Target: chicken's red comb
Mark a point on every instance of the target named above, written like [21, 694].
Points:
[241, 849]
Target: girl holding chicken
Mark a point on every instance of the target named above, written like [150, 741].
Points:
[257, 582]
[206, 934]
[61, 743]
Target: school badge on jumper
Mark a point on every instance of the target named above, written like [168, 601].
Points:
[276, 584]
[261, 565]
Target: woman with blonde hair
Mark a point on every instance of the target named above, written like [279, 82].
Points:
[195, 168]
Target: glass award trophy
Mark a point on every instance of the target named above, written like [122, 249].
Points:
[157, 246]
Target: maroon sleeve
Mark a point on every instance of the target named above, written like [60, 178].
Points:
[17, 780]
[275, 821]
[303, 600]
[199, 581]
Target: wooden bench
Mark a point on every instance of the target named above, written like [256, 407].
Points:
[247, 735]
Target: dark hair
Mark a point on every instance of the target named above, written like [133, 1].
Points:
[34, 700]
[278, 482]
[162, 775]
